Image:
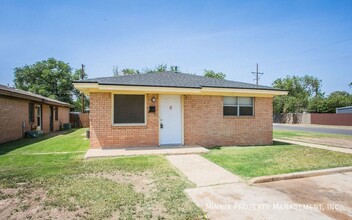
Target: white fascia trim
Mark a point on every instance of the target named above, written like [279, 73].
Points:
[253, 91]
[151, 89]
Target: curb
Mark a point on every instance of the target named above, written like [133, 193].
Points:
[297, 175]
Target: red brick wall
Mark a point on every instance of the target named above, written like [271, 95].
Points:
[46, 118]
[63, 118]
[104, 135]
[332, 119]
[13, 112]
[205, 124]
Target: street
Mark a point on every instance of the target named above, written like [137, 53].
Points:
[345, 130]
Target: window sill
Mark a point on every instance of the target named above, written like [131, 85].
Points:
[129, 125]
[238, 117]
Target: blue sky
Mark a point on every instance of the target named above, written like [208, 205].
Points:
[284, 37]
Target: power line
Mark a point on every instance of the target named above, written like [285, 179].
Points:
[257, 75]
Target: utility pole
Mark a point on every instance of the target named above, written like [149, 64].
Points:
[257, 75]
[82, 95]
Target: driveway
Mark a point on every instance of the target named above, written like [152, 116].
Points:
[334, 192]
[345, 130]
[324, 197]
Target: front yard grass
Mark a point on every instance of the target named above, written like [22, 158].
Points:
[279, 158]
[64, 186]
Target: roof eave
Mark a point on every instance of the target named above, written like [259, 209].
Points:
[87, 88]
[32, 98]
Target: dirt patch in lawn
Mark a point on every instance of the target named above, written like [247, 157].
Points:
[142, 183]
[27, 202]
[33, 202]
[328, 141]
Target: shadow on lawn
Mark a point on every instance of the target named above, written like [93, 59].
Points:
[13, 145]
[275, 143]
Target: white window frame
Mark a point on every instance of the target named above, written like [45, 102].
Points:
[238, 105]
[128, 124]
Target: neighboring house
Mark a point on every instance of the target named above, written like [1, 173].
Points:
[22, 111]
[342, 110]
[169, 108]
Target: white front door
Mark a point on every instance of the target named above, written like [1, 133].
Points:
[170, 120]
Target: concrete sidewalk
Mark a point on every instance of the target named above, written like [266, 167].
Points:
[223, 195]
[201, 171]
[337, 149]
[134, 151]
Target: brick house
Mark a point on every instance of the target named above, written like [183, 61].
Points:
[168, 108]
[22, 111]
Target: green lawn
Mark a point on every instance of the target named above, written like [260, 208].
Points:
[279, 158]
[65, 186]
[291, 134]
[65, 141]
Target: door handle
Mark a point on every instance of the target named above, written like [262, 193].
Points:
[161, 125]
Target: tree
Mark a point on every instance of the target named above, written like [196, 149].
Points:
[129, 71]
[115, 70]
[212, 74]
[50, 78]
[301, 91]
[175, 69]
[338, 99]
[161, 68]
[77, 94]
[313, 85]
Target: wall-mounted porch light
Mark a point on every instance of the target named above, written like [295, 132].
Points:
[153, 99]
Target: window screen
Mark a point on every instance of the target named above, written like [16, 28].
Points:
[129, 109]
[238, 106]
[31, 112]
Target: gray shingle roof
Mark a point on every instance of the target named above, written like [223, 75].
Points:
[13, 92]
[171, 79]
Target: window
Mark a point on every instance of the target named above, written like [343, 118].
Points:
[39, 115]
[238, 106]
[56, 113]
[31, 112]
[129, 109]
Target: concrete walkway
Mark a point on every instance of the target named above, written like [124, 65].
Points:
[241, 201]
[337, 149]
[134, 151]
[223, 195]
[201, 171]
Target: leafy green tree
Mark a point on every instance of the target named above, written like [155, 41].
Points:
[212, 74]
[301, 91]
[338, 99]
[129, 71]
[175, 69]
[77, 75]
[51, 78]
[312, 85]
[161, 68]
